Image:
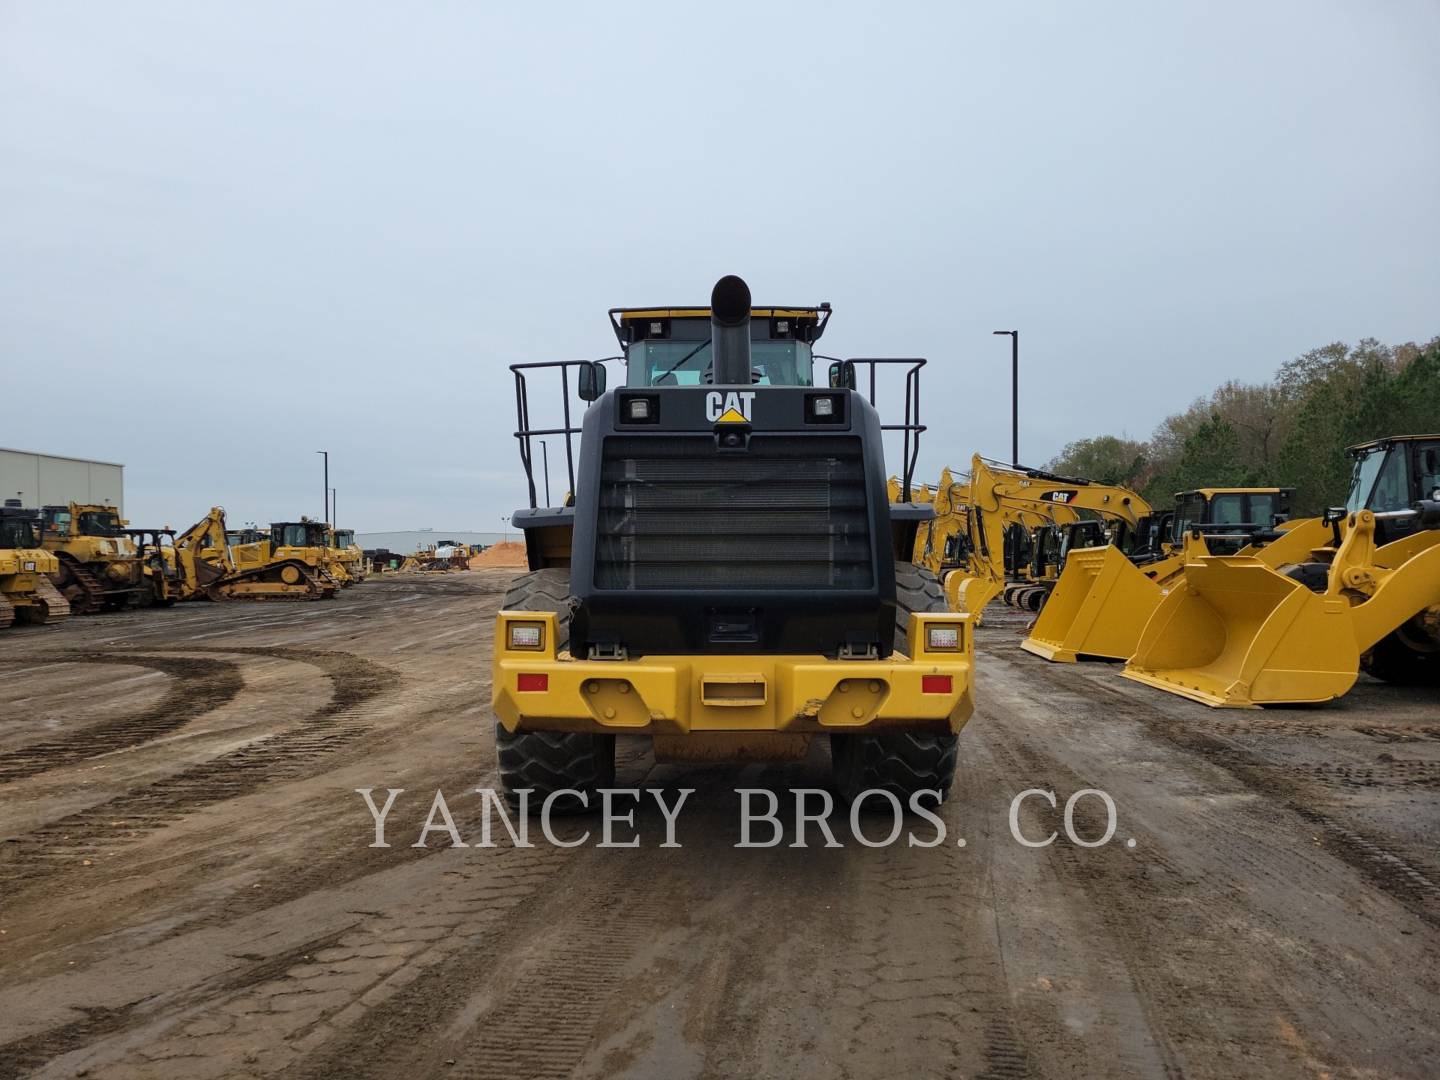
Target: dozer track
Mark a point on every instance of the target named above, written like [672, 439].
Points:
[83, 592]
[55, 607]
[7, 612]
[288, 579]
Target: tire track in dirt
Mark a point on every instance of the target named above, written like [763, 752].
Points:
[282, 756]
[195, 688]
[1176, 954]
[1409, 881]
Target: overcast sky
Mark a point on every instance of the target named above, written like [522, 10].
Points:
[231, 235]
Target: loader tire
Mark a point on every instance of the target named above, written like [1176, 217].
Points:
[898, 762]
[1396, 659]
[544, 762]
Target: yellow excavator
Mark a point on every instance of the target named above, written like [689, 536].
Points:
[1242, 633]
[26, 592]
[1105, 594]
[975, 522]
[211, 567]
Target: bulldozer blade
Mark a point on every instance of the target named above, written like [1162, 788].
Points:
[1098, 608]
[1239, 634]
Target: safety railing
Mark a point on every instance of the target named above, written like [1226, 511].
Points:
[526, 434]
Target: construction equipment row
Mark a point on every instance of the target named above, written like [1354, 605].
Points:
[80, 559]
[1221, 598]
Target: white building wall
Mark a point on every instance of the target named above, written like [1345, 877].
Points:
[48, 480]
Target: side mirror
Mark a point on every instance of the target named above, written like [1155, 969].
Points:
[591, 380]
[842, 375]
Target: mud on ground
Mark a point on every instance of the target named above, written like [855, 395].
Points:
[186, 888]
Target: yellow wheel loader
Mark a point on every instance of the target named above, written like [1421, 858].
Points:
[26, 592]
[726, 581]
[1104, 595]
[1241, 633]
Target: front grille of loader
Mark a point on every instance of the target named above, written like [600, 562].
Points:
[790, 513]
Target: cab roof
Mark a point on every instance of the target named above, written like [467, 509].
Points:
[815, 316]
[1373, 443]
[1211, 492]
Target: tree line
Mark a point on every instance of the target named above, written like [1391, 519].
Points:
[1291, 431]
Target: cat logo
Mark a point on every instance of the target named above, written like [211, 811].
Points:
[732, 407]
[1059, 496]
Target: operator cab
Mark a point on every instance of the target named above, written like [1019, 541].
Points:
[672, 346]
[18, 526]
[1229, 518]
[299, 534]
[1390, 476]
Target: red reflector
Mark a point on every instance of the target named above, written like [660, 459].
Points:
[929, 684]
[542, 682]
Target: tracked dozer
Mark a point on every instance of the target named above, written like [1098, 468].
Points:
[101, 566]
[346, 561]
[1241, 633]
[27, 594]
[287, 563]
[725, 581]
[1105, 594]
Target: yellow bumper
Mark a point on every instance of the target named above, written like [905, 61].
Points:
[930, 693]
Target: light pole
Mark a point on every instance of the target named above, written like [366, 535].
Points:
[545, 457]
[504, 529]
[334, 514]
[326, 492]
[1014, 336]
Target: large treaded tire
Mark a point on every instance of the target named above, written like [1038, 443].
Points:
[898, 762]
[548, 761]
[1395, 660]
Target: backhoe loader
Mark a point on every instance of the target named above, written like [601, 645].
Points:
[1242, 633]
[726, 578]
[26, 592]
[101, 567]
[1105, 593]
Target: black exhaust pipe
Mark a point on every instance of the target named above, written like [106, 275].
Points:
[730, 331]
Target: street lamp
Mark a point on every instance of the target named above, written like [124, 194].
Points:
[504, 528]
[326, 493]
[334, 514]
[1014, 336]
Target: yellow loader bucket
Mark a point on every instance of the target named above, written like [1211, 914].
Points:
[1238, 634]
[1099, 606]
[970, 594]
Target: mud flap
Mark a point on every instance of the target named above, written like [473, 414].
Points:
[1238, 634]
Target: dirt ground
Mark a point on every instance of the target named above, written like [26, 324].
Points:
[186, 888]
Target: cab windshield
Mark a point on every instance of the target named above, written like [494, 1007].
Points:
[688, 363]
[1381, 481]
[99, 523]
[17, 533]
[344, 537]
[290, 536]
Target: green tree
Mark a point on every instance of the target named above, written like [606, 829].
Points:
[1105, 458]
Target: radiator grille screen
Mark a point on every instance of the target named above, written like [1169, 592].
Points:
[788, 514]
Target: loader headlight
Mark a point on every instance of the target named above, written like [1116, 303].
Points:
[527, 635]
[825, 409]
[640, 408]
[942, 638]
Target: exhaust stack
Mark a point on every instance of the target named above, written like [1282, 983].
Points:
[730, 331]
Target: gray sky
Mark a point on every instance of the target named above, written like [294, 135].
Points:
[231, 235]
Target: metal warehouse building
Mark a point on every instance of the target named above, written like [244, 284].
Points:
[49, 480]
